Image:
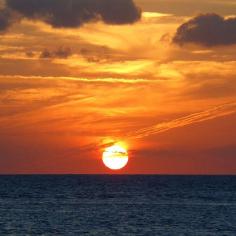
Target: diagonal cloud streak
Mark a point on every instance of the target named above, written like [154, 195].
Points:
[210, 114]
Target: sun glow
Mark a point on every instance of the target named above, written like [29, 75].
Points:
[115, 157]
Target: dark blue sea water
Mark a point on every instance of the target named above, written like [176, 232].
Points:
[117, 205]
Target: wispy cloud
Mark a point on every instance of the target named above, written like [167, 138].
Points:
[213, 113]
[85, 80]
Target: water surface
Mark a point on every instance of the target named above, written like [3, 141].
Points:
[117, 205]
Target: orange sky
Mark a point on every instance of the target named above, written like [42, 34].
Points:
[68, 92]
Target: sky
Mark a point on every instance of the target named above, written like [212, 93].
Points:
[77, 76]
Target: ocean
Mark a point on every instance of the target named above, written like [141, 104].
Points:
[117, 205]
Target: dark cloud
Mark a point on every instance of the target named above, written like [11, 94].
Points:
[62, 52]
[45, 54]
[207, 30]
[74, 13]
[6, 19]
[29, 54]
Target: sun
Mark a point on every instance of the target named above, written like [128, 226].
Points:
[115, 157]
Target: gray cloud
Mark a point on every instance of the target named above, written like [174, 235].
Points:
[207, 30]
[61, 52]
[74, 13]
[6, 19]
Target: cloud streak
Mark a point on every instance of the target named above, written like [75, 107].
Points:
[213, 113]
[82, 80]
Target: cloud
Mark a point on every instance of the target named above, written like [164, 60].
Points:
[198, 117]
[75, 13]
[6, 19]
[207, 30]
[61, 52]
